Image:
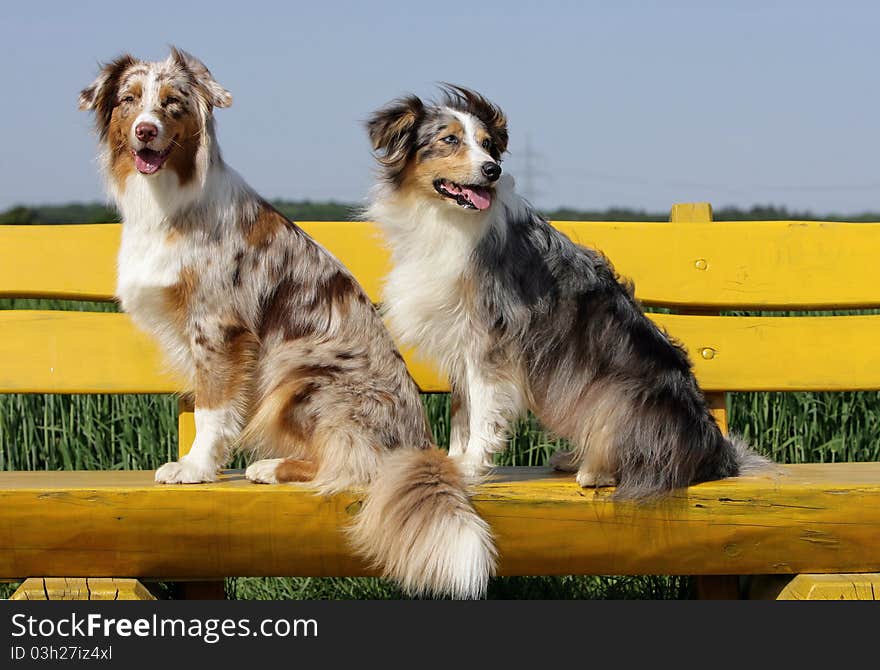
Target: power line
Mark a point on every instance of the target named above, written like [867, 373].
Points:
[740, 188]
[531, 172]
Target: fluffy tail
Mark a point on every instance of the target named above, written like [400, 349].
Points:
[673, 444]
[418, 526]
[694, 459]
[748, 461]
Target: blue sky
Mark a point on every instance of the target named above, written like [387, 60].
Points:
[633, 104]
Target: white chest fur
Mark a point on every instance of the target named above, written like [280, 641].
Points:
[149, 263]
[425, 294]
[147, 259]
[148, 266]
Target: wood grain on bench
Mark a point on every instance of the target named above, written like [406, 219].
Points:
[809, 518]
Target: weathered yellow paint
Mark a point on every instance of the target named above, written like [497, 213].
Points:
[806, 519]
[780, 353]
[76, 262]
[832, 587]
[701, 212]
[36, 261]
[757, 264]
[718, 407]
[738, 264]
[186, 425]
[78, 352]
[692, 212]
[81, 588]
[85, 352]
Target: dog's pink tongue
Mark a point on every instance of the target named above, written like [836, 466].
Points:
[480, 198]
[147, 162]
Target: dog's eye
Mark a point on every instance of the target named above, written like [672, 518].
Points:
[450, 139]
[170, 100]
[487, 144]
[128, 98]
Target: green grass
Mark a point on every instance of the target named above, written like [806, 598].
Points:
[810, 427]
[546, 588]
[56, 432]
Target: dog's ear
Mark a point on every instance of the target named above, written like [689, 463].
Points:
[215, 94]
[392, 128]
[489, 113]
[496, 122]
[100, 96]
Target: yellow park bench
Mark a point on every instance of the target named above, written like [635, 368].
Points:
[817, 525]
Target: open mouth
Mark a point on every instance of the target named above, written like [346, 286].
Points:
[467, 196]
[149, 161]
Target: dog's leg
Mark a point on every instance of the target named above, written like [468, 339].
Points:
[215, 429]
[281, 470]
[263, 471]
[491, 404]
[597, 462]
[564, 461]
[459, 430]
[589, 479]
[223, 354]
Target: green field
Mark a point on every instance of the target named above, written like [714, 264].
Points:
[137, 431]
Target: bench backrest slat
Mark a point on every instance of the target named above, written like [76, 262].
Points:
[689, 264]
[728, 265]
[87, 352]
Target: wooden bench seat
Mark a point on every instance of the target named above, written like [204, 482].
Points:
[807, 519]
[814, 518]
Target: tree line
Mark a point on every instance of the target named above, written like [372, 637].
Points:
[306, 210]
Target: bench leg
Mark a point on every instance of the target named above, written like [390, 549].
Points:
[832, 587]
[766, 587]
[201, 590]
[81, 588]
[717, 587]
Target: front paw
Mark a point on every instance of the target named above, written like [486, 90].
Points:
[185, 472]
[473, 470]
[263, 472]
[595, 479]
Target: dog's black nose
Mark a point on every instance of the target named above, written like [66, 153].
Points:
[146, 132]
[491, 170]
